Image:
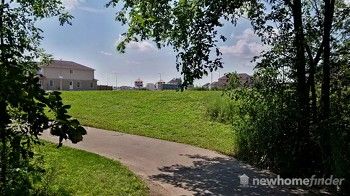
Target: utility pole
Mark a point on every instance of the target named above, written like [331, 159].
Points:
[211, 79]
[160, 76]
[116, 80]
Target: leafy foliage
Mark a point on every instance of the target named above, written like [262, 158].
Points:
[189, 26]
[22, 101]
[291, 120]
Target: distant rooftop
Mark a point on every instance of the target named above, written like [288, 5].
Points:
[223, 77]
[68, 65]
[138, 80]
[239, 75]
[176, 81]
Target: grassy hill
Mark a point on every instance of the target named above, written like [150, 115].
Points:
[76, 172]
[168, 115]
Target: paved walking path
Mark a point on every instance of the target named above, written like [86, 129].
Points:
[171, 168]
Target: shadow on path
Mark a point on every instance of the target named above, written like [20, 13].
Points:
[216, 176]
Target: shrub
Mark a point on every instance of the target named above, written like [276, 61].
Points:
[265, 123]
[223, 110]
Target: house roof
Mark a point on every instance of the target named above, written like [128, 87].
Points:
[68, 65]
[175, 80]
[138, 80]
[243, 75]
[206, 85]
[223, 77]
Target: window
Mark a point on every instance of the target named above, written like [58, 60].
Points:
[92, 85]
[70, 71]
[51, 82]
[78, 84]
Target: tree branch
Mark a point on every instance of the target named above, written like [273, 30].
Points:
[288, 2]
[318, 54]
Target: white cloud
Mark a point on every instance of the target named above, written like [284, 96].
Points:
[78, 4]
[106, 53]
[248, 34]
[247, 45]
[71, 4]
[143, 46]
[90, 9]
[133, 62]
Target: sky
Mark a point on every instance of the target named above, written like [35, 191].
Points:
[94, 34]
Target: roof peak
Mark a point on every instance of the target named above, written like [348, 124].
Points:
[67, 65]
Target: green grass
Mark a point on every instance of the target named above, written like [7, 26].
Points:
[168, 115]
[76, 172]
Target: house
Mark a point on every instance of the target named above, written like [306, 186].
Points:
[175, 81]
[159, 84]
[66, 75]
[173, 84]
[169, 87]
[215, 85]
[138, 83]
[125, 88]
[104, 88]
[150, 86]
[245, 79]
[223, 81]
[206, 86]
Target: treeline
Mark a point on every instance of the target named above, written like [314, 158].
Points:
[295, 120]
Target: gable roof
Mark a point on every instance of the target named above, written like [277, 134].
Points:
[175, 81]
[138, 80]
[244, 75]
[225, 77]
[240, 75]
[68, 65]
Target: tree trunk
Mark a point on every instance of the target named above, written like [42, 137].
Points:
[311, 80]
[3, 152]
[302, 90]
[4, 117]
[313, 92]
[325, 91]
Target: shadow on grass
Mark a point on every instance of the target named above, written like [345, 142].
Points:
[217, 176]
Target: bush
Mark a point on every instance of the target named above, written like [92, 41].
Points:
[264, 119]
[223, 110]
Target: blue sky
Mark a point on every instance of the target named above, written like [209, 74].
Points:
[92, 39]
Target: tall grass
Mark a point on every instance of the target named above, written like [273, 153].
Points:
[223, 110]
[264, 127]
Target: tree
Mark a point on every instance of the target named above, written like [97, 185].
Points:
[301, 70]
[22, 101]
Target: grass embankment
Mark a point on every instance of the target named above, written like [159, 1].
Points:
[168, 115]
[76, 172]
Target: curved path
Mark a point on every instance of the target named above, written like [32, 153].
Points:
[174, 169]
